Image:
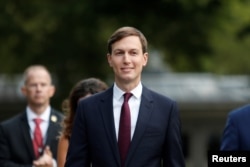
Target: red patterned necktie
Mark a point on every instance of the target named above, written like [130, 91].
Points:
[124, 136]
[38, 139]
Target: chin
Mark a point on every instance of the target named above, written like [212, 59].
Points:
[128, 79]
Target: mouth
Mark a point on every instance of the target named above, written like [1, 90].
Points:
[126, 69]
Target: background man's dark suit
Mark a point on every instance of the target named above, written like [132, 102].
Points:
[157, 137]
[236, 134]
[16, 144]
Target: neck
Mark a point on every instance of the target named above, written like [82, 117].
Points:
[38, 109]
[127, 87]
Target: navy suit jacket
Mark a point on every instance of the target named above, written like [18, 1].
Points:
[16, 149]
[156, 141]
[236, 135]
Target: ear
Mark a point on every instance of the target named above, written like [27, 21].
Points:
[145, 58]
[24, 90]
[52, 90]
[109, 60]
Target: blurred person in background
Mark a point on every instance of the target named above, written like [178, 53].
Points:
[81, 90]
[29, 139]
[127, 125]
[236, 134]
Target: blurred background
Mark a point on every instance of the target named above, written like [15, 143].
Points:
[199, 55]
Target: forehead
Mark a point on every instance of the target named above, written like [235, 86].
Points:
[36, 75]
[130, 42]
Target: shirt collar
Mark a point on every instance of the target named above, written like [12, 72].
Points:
[44, 116]
[137, 91]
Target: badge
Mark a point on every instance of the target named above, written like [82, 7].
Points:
[53, 118]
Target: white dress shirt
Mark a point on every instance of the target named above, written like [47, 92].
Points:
[45, 116]
[134, 105]
[43, 125]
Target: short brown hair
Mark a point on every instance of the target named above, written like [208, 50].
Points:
[125, 32]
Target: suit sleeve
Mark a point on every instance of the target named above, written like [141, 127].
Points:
[78, 154]
[173, 153]
[5, 152]
[230, 135]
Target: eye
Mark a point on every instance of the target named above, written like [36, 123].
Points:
[118, 53]
[133, 53]
[43, 84]
[31, 86]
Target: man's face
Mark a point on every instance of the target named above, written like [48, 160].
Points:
[38, 89]
[127, 60]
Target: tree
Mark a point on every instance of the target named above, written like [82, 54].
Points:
[70, 36]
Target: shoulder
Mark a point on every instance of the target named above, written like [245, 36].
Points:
[56, 116]
[240, 115]
[57, 113]
[241, 111]
[62, 141]
[13, 121]
[100, 96]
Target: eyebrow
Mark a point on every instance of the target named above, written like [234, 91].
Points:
[133, 49]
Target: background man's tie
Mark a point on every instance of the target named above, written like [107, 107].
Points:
[124, 129]
[38, 139]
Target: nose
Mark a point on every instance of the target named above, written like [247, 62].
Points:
[126, 57]
[39, 87]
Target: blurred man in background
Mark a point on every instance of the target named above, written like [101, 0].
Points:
[29, 139]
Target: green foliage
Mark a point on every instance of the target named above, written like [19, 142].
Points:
[70, 36]
[230, 40]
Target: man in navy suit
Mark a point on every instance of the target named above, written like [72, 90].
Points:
[155, 132]
[17, 133]
[236, 135]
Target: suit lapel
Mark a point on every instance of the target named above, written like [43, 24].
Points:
[142, 121]
[52, 129]
[25, 129]
[106, 109]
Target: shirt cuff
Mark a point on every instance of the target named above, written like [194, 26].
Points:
[54, 163]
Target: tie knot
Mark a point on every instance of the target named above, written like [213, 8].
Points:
[37, 121]
[127, 96]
